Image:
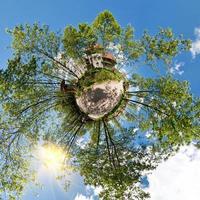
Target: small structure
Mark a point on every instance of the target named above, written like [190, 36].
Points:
[64, 88]
[109, 60]
[97, 58]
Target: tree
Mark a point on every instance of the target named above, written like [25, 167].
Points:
[55, 79]
[118, 173]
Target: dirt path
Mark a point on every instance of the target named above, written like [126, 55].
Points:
[101, 98]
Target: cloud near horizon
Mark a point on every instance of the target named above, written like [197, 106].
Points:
[83, 197]
[177, 178]
[195, 49]
[91, 193]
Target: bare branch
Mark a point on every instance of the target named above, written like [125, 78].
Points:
[56, 61]
[146, 105]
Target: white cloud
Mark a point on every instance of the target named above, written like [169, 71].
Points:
[81, 142]
[121, 59]
[177, 178]
[195, 49]
[91, 193]
[83, 197]
[96, 190]
[177, 68]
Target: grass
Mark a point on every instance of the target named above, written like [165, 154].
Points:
[98, 75]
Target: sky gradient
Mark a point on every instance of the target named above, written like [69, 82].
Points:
[182, 16]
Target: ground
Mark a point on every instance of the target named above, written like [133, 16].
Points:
[100, 98]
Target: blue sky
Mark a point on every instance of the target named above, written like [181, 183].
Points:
[182, 16]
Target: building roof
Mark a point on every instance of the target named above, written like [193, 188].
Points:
[109, 56]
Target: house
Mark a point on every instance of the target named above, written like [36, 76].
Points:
[97, 58]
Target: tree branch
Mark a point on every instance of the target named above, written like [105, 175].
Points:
[56, 61]
[72, 139]
[146, 105]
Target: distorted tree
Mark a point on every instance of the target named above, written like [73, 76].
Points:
[76, 81]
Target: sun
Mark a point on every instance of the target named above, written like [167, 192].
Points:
[52, 157]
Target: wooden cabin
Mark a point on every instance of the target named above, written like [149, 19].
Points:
[96, 57]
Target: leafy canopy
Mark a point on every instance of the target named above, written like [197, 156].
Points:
[38, 91]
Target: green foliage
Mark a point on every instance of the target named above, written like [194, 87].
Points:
[38, 102]
[106, 27]
[131, 47]
[163, 46]
[15, 154]
[76, 41]
[169, 110]
[118, 181]
[103, 30]
[31, 39]
[98, 76]
[106, 30]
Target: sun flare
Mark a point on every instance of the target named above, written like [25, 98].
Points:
[52, 156]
